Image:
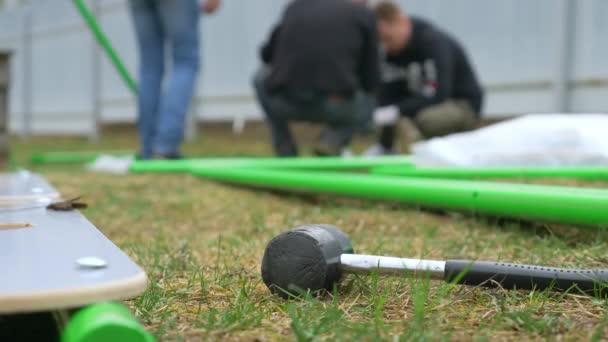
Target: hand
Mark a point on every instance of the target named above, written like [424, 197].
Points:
[387, 115]
[210, 6]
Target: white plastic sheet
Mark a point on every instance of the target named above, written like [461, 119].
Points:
[531, 140]
[111, 164]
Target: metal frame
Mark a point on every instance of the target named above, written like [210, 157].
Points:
[565, 54]
[96, 83]
[5, 60]
[27, 89]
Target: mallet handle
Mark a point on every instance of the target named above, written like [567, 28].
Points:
[367, 264]
[492, 274]
[482, 273]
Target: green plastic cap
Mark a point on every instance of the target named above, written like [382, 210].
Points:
[105, 322]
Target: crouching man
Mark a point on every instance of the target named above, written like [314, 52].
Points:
[428, 83]
[321, 66]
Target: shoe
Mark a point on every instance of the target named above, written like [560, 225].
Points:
[286, 150]
[172, 156]
[378, 150]
[325, 149]
[347, 153]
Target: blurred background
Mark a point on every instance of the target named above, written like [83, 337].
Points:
[532, 56]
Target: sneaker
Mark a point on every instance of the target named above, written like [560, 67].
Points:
[172, 156]
[324, 149]
[378, 150]
[347, 153]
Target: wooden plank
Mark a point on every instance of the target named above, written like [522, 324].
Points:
[14, 225]
[40, 256]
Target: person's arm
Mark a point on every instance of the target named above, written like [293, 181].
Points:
[370, 61]
[268, 48]
[210, 6]
[438, 50]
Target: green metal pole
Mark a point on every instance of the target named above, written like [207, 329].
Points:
[312, 163]
[74, 157]
[91, 22]
[587, 173]
[531, 202]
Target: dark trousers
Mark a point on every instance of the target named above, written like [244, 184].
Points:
[342, 117]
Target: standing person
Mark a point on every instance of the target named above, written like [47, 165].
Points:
[164, 98]
[322, 66]
[427, 80]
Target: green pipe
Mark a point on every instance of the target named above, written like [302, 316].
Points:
[105, 322]
[531, 202]
[312, 163]
[587, 173]
[91, 22]
[74, 157]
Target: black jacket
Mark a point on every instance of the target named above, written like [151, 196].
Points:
[326, 46]
[431, 69]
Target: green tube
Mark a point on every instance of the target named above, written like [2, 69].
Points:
[89, 18]
[105, 322]
[74, 157]
[312, 163]
[567, 205]
[587, 173]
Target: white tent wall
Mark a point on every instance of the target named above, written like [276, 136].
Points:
[512, 44]
[11, 39]
[590, 58]
[533, 56]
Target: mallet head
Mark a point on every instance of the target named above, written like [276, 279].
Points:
[304, 259]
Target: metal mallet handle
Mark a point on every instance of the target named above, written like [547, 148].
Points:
[480, 273]
[367, 264]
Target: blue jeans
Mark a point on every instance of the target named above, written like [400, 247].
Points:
[162, 107]
[342, 117]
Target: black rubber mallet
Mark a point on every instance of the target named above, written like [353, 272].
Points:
[315, 257]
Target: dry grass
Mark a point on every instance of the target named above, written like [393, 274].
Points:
[201, 244]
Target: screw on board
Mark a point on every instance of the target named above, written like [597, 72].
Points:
[91, 262]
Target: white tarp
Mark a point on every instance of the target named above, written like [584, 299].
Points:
[111, 164]
[531, 140]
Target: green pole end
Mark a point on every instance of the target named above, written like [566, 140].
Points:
[105, 322]
[104, 42]
[37, 158]
[74, 157]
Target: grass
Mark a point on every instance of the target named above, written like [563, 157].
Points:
[201, 244]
